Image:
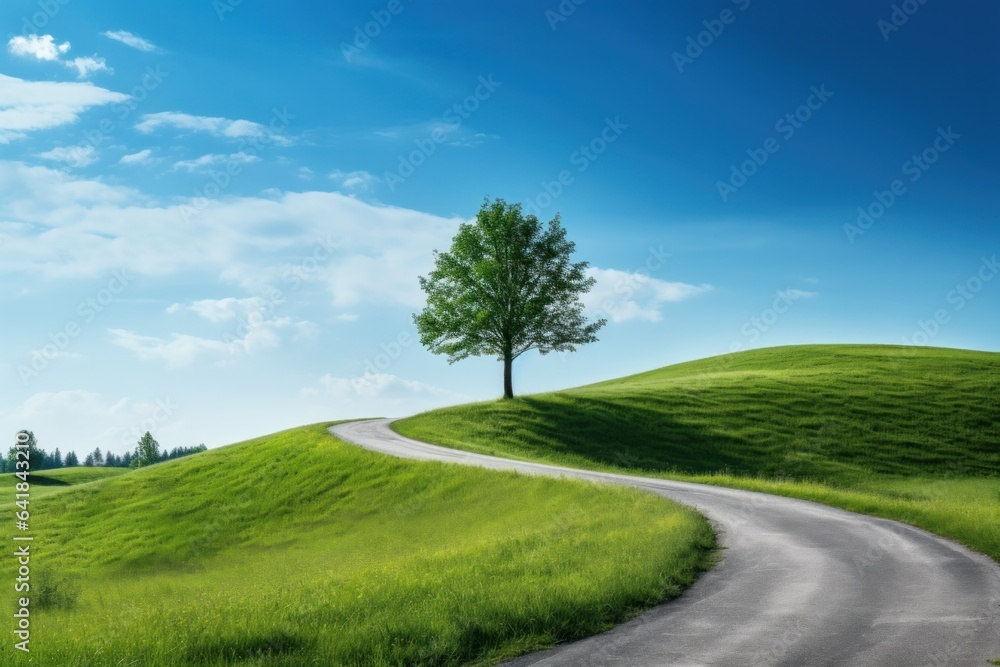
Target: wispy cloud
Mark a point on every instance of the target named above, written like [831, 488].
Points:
[620, 296]
[378, 385]
[360, 253]
[131, 39]
[354, 181]
[222, 310]
[212, 159]
[253, 329]
[88, 65]
[144, 156]
[250, 324]
[72, 156]
[215, 125]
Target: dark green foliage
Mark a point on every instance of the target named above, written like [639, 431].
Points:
[37, 458]
[507, 286]
[147, 451]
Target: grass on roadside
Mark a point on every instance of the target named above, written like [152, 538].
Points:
[298, 549]
[904, 433]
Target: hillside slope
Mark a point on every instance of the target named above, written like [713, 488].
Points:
[822, 412]
[299, 549]
[904, 433]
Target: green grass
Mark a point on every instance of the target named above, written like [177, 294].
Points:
[900, 432]
[298, 549]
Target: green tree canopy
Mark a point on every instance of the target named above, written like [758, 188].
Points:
[507, 286]
[37, 457]
[147, 452]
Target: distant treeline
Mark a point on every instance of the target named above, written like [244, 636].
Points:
[146, 453]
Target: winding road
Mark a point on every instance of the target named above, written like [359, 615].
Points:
[800, 584]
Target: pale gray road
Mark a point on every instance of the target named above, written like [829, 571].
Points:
[800, 584]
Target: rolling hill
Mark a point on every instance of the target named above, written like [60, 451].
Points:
[299, 549]
[902, 432]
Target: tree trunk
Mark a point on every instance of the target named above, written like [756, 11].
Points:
[508, 385]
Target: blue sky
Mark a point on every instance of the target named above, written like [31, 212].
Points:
[214, 213]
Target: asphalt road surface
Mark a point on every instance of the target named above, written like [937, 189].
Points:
[799, 584]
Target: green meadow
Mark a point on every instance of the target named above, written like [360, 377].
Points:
[298, 549]
[904, 433]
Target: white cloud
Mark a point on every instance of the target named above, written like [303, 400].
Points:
[41, 47]
[217, 126]
[354, 181]
[60, 227]
[27, 106]
[347, 317]
[229, 308]
[87, 65]
[130, 39]
[212, 159]
[620, 296]
[44, 47]
[179, 350]
[144, 156]
[72, 156]
[251, 328]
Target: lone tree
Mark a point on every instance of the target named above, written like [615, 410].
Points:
[506, 286]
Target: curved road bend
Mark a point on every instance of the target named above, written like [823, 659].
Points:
[800, 584]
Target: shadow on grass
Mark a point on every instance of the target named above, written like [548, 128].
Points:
[629, 435]
[42, 480]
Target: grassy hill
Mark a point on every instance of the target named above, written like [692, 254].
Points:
[907, 433]
[299, 549]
